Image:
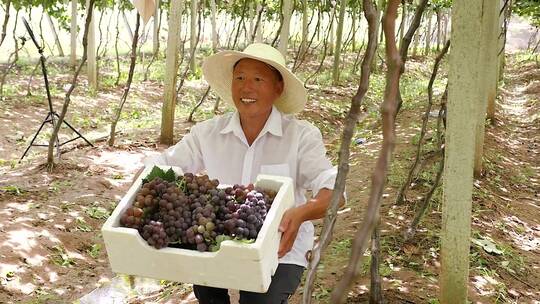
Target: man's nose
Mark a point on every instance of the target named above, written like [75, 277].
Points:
[248, 84]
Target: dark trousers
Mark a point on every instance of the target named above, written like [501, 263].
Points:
[284, 283]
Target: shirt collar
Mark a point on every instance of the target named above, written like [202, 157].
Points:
[273, 124]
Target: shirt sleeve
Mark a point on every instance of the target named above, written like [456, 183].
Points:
[186, 154]
[314, 169]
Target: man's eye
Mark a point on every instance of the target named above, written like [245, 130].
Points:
[239, 78]
[258, 79]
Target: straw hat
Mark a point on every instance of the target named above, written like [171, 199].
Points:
[218, 70]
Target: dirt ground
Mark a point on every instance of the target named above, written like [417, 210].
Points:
[51, 250]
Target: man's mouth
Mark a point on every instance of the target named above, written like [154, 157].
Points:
[247, 100]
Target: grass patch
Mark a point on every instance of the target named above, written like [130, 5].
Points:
[60, 257]
[94, 251]
[13, 190]
[97, 212]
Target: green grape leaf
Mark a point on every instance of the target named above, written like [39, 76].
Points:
[169, 176]
[487, 245]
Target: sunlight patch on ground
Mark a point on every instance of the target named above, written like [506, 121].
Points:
[485, 285]
[523, 236]
[127, 161]
[51, 237]
[16, 285]
[53, 276]
[36, 260]
[22, 239]
[7, 270]
[22, 207]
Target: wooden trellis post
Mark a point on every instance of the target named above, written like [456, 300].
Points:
[466, 68]
[490, 47]
[91, 65]
[155, 36]
[169, 94]
[193, 36]
[73, 31]
[284, 35]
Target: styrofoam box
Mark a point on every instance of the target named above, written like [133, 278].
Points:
[235, 265]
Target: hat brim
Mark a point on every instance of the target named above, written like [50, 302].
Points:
[218, 71]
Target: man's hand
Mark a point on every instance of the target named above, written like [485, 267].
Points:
[315, 208]
[290, 223]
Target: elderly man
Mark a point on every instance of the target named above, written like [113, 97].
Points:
[259, 137]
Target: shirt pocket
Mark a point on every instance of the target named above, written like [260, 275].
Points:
[277, 169]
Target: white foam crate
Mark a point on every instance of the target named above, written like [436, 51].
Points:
[235, 265]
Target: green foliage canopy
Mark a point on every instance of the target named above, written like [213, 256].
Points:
[529, 9]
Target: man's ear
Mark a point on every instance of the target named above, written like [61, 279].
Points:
[279, 87]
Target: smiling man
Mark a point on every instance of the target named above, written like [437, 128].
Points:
[260, 137]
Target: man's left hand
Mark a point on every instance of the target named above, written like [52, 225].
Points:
[290, 223]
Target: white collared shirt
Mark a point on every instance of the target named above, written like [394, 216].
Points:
[285, 146]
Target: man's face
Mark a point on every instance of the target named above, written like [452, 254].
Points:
[255, 87]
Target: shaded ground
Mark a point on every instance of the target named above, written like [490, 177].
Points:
[51, 250]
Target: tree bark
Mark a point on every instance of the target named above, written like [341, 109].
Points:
[506, 14]
[107, 30]
[184, 75]
[55, 35]
[155, 35]
[260, 28]
[100, 37]
[240, 23]
[403, 22]
[6, 20]
[190, 118]
[489, 81]
[128, 27]
[257, 31]
[28, 86]
[287, 9]
[118, 71]
[169, 95]
[337, 54]
[91, 53]
[300, 59]
[372, 15]
[388, 109]
[427, 46]
[260, 24]
[15, 56]
[443, 25]
[405, 186]
[353, 38]
[465, 76]
[252, 16]
[214, 26]
[324, 53]
[67, 99]
[439, 20]
[303, 44]
[112, 134]
[332, 39]
[193, 35]
[375, 291]
[404, 47]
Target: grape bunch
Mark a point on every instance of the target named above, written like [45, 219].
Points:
[132, 218]
[247, 216]
[155, 235]
[192, 212]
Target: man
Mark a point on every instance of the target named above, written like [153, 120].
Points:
[259, 137]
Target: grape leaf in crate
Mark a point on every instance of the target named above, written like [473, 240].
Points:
[158, 172]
